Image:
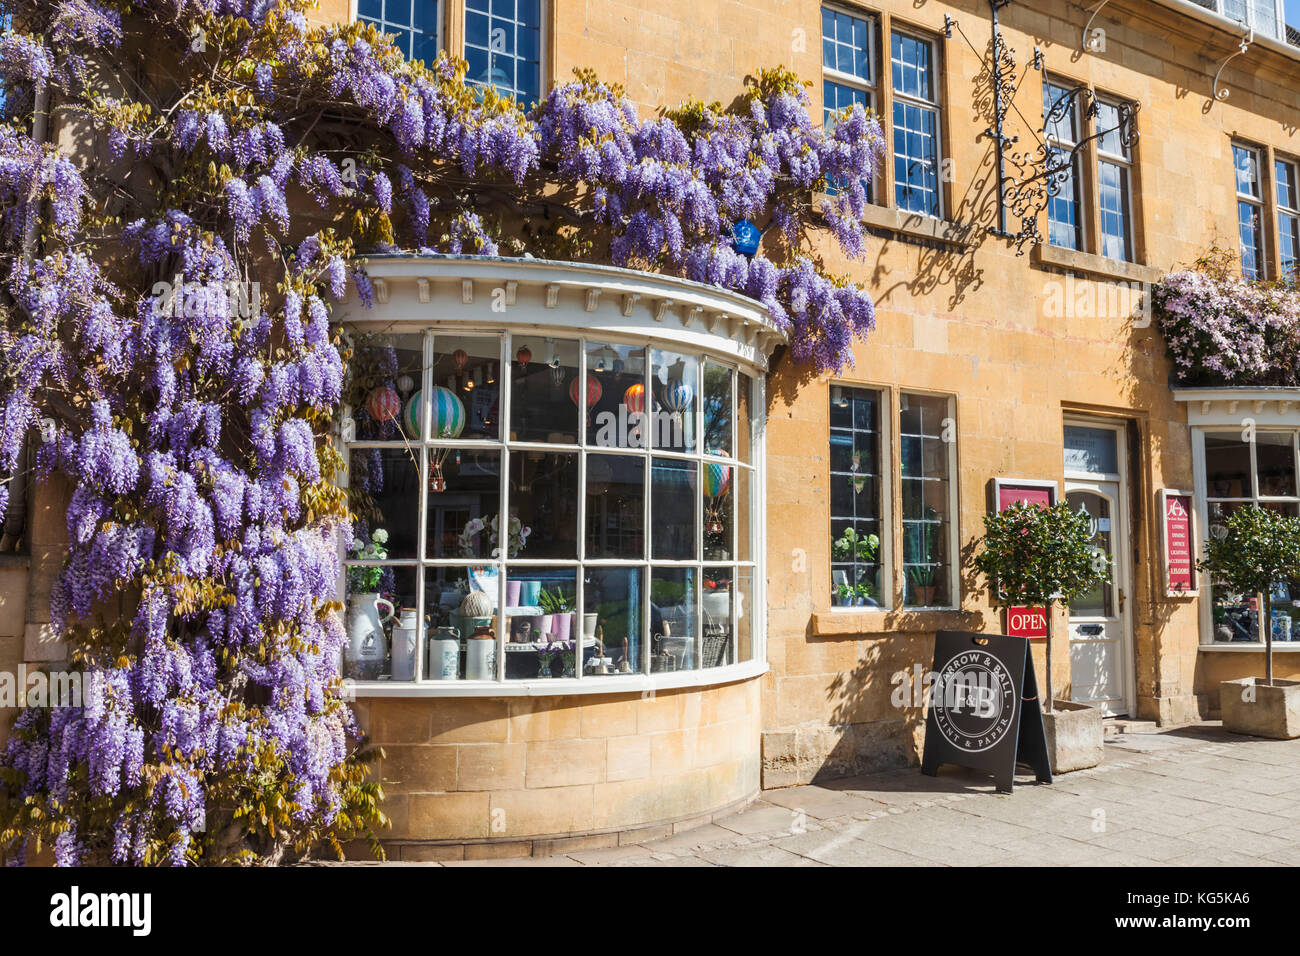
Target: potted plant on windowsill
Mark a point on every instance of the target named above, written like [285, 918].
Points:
[844, 595]
[1031, 556]
[922, 580]
[1260, 550]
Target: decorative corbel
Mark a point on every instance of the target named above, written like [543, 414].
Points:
[467, 291]
[422, 286]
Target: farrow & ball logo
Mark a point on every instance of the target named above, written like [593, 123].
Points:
[974, 701]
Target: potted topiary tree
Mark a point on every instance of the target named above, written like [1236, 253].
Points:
[1032, 556]
[1252, 552]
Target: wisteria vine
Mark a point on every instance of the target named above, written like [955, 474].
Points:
[165, 330]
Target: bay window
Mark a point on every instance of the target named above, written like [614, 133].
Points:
[546, 507]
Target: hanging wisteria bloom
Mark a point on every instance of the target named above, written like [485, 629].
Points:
[165, 327]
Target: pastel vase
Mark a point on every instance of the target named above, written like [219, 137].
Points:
[563, 624]
[532, 592]
[514, 590]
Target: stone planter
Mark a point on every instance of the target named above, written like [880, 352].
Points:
[1075, 739]
[1263, 710]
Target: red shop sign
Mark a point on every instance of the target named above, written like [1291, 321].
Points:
[1178, 520]
[1028, 622]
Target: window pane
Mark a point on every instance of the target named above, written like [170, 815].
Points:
[855, 456]
[675, 384]
[1252, 248]
[916, 159]
[617, 418]
[744, 417]
[1063, 125]
[384, 379]
[1099, 602]
[717, 409]
[845, 44]
[674, 596]
[615, 506]
[673, 509]
[1065, 225]
[1286, 185]
[1227, 466]
[1113, 195]
[1111, 125]
[463, 519]
[466, 367]
[1091, 450]
[378, 599]
[925, 474]
[545, 634]
[1275, 459]
[613, 619]
[718, 648]
[544, 495]
[544, 398]
[384, 493]
[445, 629]
[1247, 165]
[744, 512]
[718, 508]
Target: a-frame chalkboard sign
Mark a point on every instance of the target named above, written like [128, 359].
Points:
[984, 709]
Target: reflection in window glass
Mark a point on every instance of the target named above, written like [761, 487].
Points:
[719, 502]
[1099, 602]
[715, 612]
[612, 618]
[466, 367]
[615, 506]
[544, 496]
[379, 621]
[673, 509]
[503, 47]
[617, 413]
[1227, 465]
[1275, 461]
[926, 474]
[463, 519]
[744, 621]
[384, 492]
[744, 418]
[717, 409]
[545, 405]
[675, 384]
[413, 24]
[384, 382]
[674, 600]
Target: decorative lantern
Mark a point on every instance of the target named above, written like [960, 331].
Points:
[460, 357]
[383, 404]
[524, 356]
[745, 237]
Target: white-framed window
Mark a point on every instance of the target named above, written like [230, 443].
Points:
[416, 25]
[1250, 211]
[1063, 125]
[1264, 16]
[1114, 181]
[928, 491]
[503, 46]
[860, 497]
[917, 133]
[1241, 467]
[1288, 216]
[621, 475]
[849, 64]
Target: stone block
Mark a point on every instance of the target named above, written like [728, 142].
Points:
[1262, 710]
[1075, 739]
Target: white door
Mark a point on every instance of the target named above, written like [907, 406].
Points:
[1100, 645]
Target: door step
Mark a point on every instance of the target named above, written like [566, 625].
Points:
[1118, 726]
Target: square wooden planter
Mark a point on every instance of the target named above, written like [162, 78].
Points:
[1250, 706]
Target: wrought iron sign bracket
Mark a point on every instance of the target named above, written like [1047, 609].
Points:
[1093, 42]
[1247, 38]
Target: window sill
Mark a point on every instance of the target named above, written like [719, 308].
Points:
[1283, 647]
[563, 687]
[860, 622]
[915, 226]
[1046, 254]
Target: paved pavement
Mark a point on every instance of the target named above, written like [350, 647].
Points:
[1195, 796]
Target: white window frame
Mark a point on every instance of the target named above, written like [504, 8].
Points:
[937, 105]
[872, 87]
[1291, 212]
[1256, 200]
[954, 502]
[1126, 163]
[582, 683]
[886, 427]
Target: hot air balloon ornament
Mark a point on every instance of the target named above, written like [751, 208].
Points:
[634, 401]
[594, 391]
[523, 357]
[677, 399]
[717, 481]
[448, 422]
[383, 404]
[460, 357]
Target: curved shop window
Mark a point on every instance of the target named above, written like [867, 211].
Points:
[536, 506]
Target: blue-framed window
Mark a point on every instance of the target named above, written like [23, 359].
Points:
[414, 24]
[848, 66]
[917, 146]
[1114, 182]
[1065, 208]
[1250, 209]
[503, 44]
[1288, 217]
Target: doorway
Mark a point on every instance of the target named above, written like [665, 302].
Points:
[1101, 632]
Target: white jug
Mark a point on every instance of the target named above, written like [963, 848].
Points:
[444, 654]
[405, 637]
[366, 646]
